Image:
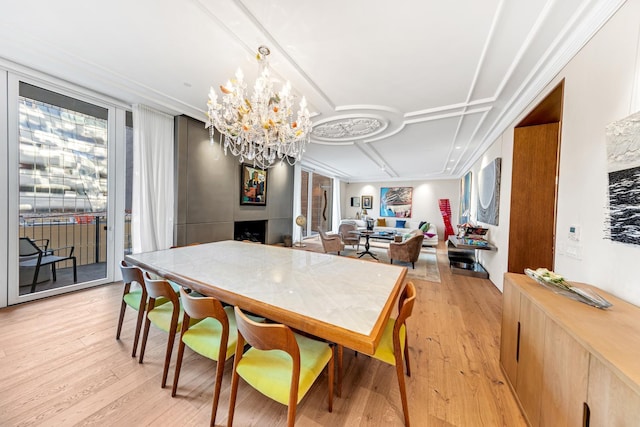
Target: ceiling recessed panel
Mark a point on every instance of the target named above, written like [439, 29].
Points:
[383, 53]
[392, 63]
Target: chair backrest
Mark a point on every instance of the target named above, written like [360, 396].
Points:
[405, 306]
[28, 247]
[131, 274]
[203, 307]
[160, 288]
[345, 231]
[268, 336]
[322, 234]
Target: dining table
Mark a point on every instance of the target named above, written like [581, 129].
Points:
[342, 300]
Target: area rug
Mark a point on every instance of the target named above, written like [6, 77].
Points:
[426, 268]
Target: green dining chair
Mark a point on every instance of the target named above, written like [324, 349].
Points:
[393, 343]
[134, 295]
[214, 337]
[166, 317]
[280, 364]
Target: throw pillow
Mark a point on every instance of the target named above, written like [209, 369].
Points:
[424, 227]
[421, 224]
[381, 222]
[429, 235]
[400, 223]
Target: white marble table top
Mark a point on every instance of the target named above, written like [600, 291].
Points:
[343, 300]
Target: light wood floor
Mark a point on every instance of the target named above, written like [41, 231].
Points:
[60, 365]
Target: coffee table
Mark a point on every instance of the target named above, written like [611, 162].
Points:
[371, 234]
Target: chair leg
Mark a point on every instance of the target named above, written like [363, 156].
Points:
[167, 357]
[75, 271]
[232, 396]
[331, 368]
[141, 310]
[176, 376]
[403, 392]
[123, 307]
[216, 390]
[413, 265]
[35, 278]
[53, 271]
[401, 385]
[145, 334]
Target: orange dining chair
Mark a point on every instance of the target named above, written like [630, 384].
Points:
[167, 317]
[280, 364]
[214, 337]
[394, 343]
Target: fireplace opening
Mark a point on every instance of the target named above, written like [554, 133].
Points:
[253, 231]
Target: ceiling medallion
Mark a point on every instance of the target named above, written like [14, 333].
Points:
[348, 128]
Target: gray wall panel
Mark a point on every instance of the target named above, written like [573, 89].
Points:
[209, 190]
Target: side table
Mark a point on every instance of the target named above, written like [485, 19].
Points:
[463, 256]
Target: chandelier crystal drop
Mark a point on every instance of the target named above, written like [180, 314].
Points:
[261, 127]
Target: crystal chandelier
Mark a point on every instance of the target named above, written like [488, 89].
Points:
[261, 128]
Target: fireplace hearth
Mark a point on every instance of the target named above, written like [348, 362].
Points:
[253, 231]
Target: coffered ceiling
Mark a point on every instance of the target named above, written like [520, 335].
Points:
[402, 90]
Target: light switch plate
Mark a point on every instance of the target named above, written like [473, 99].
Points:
[574, 233]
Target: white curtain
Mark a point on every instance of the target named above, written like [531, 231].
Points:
[153, 196]
[337, 208]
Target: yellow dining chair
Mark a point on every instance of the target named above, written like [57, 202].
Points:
[394, 343]
[167, 317]
[284, 374]
[213, 337]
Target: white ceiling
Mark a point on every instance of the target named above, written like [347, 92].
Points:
[425, 85]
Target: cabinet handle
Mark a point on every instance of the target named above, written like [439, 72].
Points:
[518, 344]
[586, 415]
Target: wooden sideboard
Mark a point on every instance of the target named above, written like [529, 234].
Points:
[570, 364]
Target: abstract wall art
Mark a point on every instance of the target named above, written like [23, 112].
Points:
[396, 201]
[489, 192]
[465, 199]
[623, 167]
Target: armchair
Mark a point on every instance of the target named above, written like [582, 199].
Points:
[349, 238]
[331, 242]
[407, 251]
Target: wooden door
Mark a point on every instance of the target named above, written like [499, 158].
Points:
[533, 197]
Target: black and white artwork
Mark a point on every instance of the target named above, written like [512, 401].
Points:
[489, 193]
[623, 167]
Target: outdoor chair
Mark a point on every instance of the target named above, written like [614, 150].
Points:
[31, 255]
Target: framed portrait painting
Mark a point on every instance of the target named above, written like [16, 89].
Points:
[253, 185]
[367, 202]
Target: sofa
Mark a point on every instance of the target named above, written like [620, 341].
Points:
[391, 225]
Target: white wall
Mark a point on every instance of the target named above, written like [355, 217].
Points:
[601, 86]
[425, 199]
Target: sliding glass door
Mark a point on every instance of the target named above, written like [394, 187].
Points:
[59, 179]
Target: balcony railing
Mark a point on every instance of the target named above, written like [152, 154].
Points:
[86, 232]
